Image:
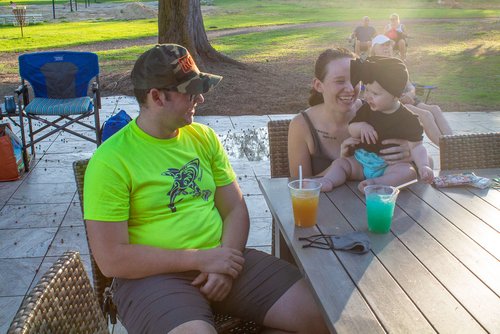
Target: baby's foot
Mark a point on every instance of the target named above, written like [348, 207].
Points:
[326, 184]
[364, 183]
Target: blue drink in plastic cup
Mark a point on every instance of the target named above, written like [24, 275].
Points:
[380, 202]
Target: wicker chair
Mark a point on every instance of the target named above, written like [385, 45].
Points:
[278, 147]
[62, 302]
[223, 323]
[478, 150]
[278, 159]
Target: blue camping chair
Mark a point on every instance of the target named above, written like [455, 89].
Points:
[60, 82]
[423, 91]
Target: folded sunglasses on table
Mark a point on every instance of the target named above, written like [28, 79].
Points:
[353, 242]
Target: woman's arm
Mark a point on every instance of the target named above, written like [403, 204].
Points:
[298, 149]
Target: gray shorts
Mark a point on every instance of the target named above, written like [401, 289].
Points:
[158, 304]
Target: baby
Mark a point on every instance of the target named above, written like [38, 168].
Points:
[381, 117]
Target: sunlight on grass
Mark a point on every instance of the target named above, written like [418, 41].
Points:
[459, 63]
[460, 57]
[230, 14]
[59, 2]
[46, 36]
[120, 58]
[289, 43]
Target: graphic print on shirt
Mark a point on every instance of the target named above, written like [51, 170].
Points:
[185, 183]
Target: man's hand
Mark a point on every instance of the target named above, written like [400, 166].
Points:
[346, 148]
[222, 260]
[368, 134]
[426, 174]
[396, 154]
[214, 286]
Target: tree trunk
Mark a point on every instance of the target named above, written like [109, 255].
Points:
[181, 22]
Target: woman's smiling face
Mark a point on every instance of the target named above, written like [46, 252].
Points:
[336, 87]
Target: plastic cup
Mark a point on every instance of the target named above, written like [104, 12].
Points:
[305, 201]
[10, 104]
[380, 202]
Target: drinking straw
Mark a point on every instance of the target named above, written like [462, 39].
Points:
[406, 184]
[300, 176]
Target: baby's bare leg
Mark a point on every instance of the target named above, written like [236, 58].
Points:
[394, 176]
[341, 170]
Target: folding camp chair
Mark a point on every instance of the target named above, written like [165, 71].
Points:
[423, 91]
[60, 82]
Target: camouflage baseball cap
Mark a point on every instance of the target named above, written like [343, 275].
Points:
[171, 66]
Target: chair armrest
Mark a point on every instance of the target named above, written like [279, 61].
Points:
[23, 89]
[97, 94]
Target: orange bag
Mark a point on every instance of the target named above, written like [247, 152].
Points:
[11, 155]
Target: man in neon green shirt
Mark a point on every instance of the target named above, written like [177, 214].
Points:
[166, 218]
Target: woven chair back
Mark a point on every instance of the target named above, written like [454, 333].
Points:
[63, 301]
[101, 282]
[465, 151]
[278, 147]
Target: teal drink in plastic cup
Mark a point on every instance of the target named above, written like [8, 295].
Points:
[380, 202]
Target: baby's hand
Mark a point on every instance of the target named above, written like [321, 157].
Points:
[426, 174]
[368, 134]
[346, 148]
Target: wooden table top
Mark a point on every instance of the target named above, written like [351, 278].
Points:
[438, 269]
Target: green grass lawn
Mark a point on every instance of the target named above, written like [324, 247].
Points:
[58, 35]
[460, 57]
[463, 66]
[227, 14]
[59, 2]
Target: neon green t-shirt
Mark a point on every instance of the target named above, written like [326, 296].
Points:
[164, 187]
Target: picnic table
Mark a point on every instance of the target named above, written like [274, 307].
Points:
[438, 269]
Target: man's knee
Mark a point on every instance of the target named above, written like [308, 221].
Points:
[194, 326]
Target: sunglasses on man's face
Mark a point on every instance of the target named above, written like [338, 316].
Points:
[192, 97]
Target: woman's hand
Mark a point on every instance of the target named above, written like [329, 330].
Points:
[347, 146]
[396, 154]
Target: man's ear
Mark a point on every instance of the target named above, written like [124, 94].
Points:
[317, 85]
[157, 96]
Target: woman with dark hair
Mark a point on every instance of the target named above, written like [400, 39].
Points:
[319, 135]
